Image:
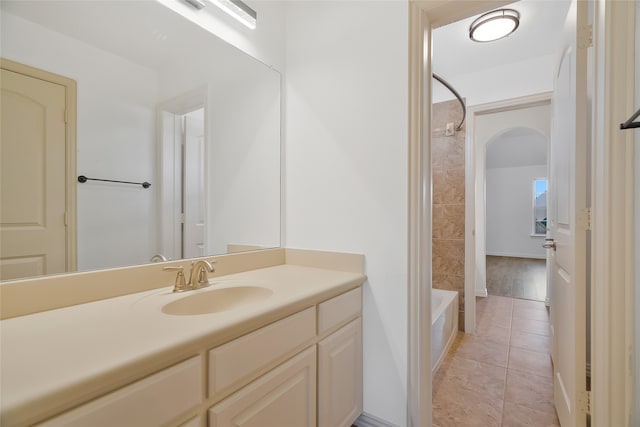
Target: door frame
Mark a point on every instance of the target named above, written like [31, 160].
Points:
[169, 169]
[424, 15]
[475, 195]
[611, 333]
[71, 120]
[612, 257]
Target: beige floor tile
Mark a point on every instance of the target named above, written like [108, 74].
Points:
[531, 326]
[471, 375]
[533, 342]
[530, 313]
[531, 391]
[472, 347]
[531, 362]
[462, 408]
[501, 318]
[528, 304]
[520, 416]
[501, 375]
[492, 332]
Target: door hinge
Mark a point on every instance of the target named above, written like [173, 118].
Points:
[182, 218]
[585, 402]
[585, 219]
[66, 219]
[585, 36]
[66, 115]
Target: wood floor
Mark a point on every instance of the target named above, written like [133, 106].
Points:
[517, 277]
[501, 376]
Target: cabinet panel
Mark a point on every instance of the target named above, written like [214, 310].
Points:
[285, 397]
[338, 310]
[152, 401]
[238, 362]
[193, 422]
[340, 376]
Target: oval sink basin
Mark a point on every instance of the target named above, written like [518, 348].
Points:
[216, 300]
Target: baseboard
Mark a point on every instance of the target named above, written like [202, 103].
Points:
[367, 420]
[515, 255]
[482, 292]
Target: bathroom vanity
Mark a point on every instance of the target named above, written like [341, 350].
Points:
[279, 345]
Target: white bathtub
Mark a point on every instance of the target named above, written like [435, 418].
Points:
[444, 324]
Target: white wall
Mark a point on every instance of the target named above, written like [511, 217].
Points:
[346, 166]
[243, 154]
[509, 209]
[528, 77]
[115, 136]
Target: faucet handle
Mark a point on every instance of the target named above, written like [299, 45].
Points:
[200, 269]
[180, 284]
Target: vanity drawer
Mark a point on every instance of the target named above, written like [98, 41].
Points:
[152, 401]
[238, 362]
[340, 309]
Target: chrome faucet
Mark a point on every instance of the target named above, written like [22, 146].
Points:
[198, 276]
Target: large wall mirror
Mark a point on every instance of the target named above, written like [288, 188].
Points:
[159, 100]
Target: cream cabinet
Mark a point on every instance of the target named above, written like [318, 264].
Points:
[340, 376]
[153, 401]
[304, 370]
[286, 396]
[240, 361]
[321, 386]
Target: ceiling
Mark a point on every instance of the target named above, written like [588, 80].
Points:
[541, 24]
[147, 33]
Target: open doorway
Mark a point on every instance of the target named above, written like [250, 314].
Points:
[516, 214]
[183, 201]
[504, 354]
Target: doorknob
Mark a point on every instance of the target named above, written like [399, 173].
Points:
[549, 244]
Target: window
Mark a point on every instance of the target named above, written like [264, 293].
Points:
[539, 207]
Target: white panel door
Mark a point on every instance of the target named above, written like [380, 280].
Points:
[33, 186]
[568, 190]
[194, 200]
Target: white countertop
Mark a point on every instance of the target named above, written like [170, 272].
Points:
[54, 360]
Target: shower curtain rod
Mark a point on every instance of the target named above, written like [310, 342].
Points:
[448, 86]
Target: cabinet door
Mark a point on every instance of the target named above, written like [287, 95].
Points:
[153, 401]
[340, 376]
[285, 397]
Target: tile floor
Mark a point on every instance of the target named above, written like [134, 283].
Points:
[500, 376]
[517, 277]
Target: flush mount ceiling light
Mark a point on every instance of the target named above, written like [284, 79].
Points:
[494, 25]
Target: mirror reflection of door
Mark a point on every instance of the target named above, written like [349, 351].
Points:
[193, 197]
[34, 222]
[183, 196]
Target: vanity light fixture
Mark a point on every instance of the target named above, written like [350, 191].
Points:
[239, 10]
[198, 4]
[494, 25]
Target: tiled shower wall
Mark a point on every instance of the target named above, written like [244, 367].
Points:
[447, 160]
